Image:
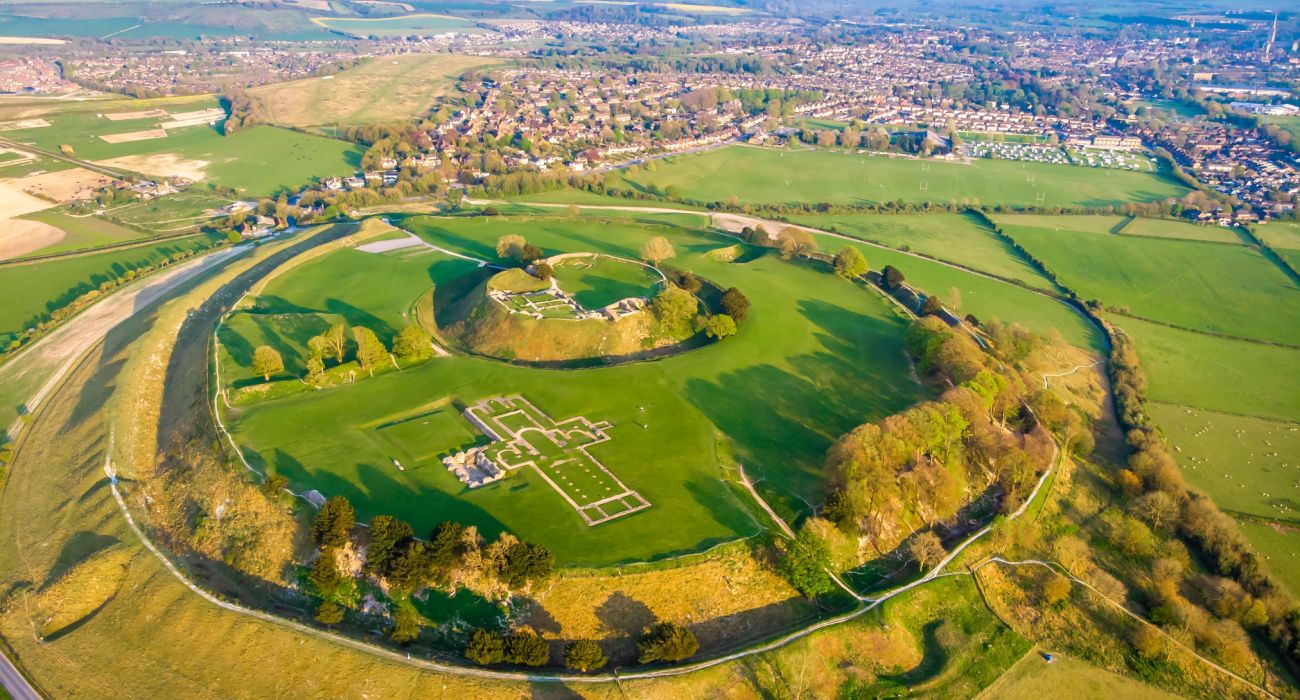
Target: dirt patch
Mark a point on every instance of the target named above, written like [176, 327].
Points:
[15, 202]
[30, 40]
[65, 185]
[126, 116]
[130, 136]
[19, 237]
[23, 124]
[160, 165]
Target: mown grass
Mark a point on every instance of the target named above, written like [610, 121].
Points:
[1227, 289]
[772, 176]
[782, 390]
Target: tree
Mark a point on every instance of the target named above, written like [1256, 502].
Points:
[406, 624]
[370, 350]
[334, 522]
[486, 648]
[927, 550]
[850, 263]
[336, 341]
[584, 655]
[510, 246]
[656, 250]
[1056, 589]
[413, 343]
[315, 371]
[386, 533]
[526, 563]
[932, 306]
[735, 304]
[329, 613]
[806, 562]
[666, 641]
[266, 361]
[891, 278]
[543, 271]
[674, 307]
[530, 253]
[317, 347]
[719, 326]
[324, 575]
[524, 647]
[795, 242]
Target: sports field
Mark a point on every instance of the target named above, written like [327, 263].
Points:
[1227, 289]
[775, 395]
[380, 90]
[767, 175]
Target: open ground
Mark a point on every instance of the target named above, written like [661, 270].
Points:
[775, 176]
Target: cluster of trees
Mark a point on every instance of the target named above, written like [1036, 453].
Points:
[915, 470]
[411, 344]
[1157, 497]
[663, 641]
[453, 556]
[242, 110]
[678, 309]
[792, 241]
[513, 249]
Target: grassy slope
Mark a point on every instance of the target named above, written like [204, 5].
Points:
[1033, 677]
[82, 231]
[764, 175]
[379, 90]
[954, 237]
[782, 390]
[1228, 289]
[33, 287]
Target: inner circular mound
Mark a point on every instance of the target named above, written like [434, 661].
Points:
[594, 308]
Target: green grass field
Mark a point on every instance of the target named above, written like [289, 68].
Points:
[598, 282]
[1251, 466]
[379, 90]
[780, 391]
[256, 161]
[765, 175]
[83, 232]
[1201, 371]
[1228, 289]
[954, 237]
[1283, 237]
[1032, 677]
[38, 287]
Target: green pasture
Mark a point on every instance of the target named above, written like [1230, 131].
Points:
[575, 196]
[83, 232]
[1227, 289]
[1280, 545]
[257, 161]
[1251, 467]
[1221, 374]
[773, 176]
[958, 238]
[984, 297]
[781, 391]
[1283, 237]
[1165, 228]
[36, 288]
[597, 282]
[1124, 226]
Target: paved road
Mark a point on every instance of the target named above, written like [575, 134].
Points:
[14, 683]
